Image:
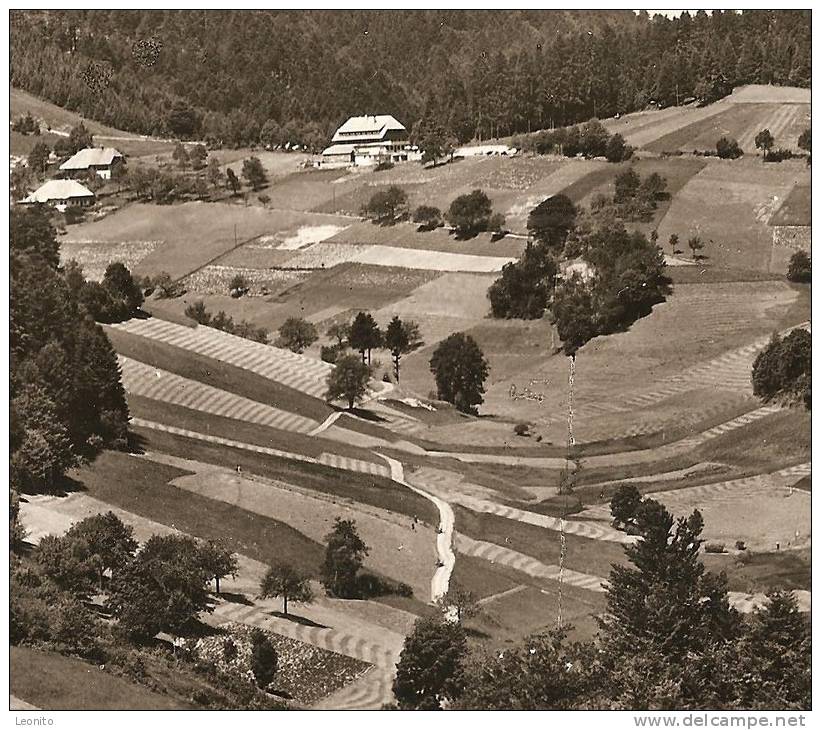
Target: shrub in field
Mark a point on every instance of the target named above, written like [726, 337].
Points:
[165, 287]
[264, 659]
[428, 217]
[728, 149]
[384, 165]
[345, 553]
[296, 334]
[617, 150]
[470, 213]
[783, 369]
[522, 429]
[331, 353]
[715, 547]
[800, 269]
[387, 206]
[198, 312]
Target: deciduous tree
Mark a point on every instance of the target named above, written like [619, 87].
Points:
[345, 553]
[431, 667]
[348, 380]
[297, 334]
[282, 580]
[460, 370]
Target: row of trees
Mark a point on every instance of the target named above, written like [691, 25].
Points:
[667, 640]
[223, 77]
[221, 321]
[590, 140]
[67, 400]
[468, 214]
[165, 186]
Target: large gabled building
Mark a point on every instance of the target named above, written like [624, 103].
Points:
[61, 194]
[369, 140]
[100, 160]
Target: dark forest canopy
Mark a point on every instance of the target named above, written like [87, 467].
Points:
[277, 76]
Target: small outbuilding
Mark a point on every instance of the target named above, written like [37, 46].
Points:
[61, 194]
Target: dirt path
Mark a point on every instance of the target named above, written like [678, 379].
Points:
[444, 539]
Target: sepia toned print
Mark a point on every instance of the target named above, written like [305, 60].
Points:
[410, 360]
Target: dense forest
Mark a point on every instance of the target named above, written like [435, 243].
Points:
[293, 76]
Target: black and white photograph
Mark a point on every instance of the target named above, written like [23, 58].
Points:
[410, 359]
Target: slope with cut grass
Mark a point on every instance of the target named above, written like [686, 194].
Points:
[51, 681]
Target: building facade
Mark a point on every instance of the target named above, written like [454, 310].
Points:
[369, 140]
[100, 160]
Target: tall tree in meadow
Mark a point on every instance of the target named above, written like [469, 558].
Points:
[365, 335]
[345, 553]
[460, 370]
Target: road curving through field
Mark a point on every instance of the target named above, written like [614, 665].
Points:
[444, 539]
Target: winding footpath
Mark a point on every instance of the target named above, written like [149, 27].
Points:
[444, 539]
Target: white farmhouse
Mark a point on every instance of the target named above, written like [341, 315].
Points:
[61, 194]
[368, 140]
[101, 160]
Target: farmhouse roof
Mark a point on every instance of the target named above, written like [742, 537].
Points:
[368, 126]
[58, 190]
[91, 156]
[339, 149]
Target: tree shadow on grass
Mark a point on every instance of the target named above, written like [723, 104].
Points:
[476, 633]
[234, 598]
[302, 620]
[364, 414]
[135, 443]
[64, 486]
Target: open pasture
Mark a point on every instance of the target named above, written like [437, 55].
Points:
[193, 234]
[62, 120]
[642, 133]
[728, 205]
[406, 235]
[759, 512]
[399, 551]
[308, 189]
[51, 681]
[709, 320]
[740, 122]
[796, 210]
[95, 256]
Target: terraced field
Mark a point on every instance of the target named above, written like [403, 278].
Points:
[728, 205]
[298, 372]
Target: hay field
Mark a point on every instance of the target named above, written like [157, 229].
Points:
[95, 256]
[709, 320]
[62, 120]
[740, 122]
[397, 550]
[406, 235]
[796, 210]
[508, 182]
[760, 514]
[193, 234]
[728, 204]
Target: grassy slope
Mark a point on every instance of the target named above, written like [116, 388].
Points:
[142, 487]
[377, 491]
[54, 682]
[55, 117]
[248, 433]
[217, 374]
[583, 554]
